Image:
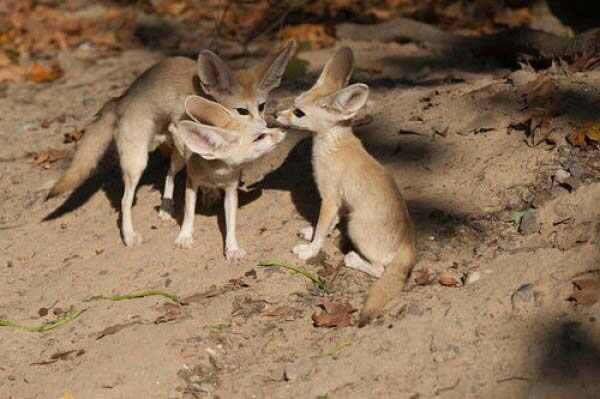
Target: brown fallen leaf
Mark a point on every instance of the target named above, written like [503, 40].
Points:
[540, 93]
[585, 291]
[47, 157]
[449, 280]
[334, 314]
[588, 132]
[425, 276]
[41, 74]
[115, 329]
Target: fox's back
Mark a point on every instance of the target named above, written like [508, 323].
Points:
[162, 88]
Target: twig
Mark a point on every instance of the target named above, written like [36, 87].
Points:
[135, 295]
[50, 325]
[514, 378]
[320, 283]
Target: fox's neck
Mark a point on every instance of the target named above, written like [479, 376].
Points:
[326, 142]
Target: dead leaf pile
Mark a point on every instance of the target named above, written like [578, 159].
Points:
[539, 107]
[586, 291]
[46, 158]
[333, 314]
[314, 35]
[590, 132]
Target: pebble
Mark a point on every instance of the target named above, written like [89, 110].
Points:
[523, 296]
[561, 176]
[529, 224]
[472, 277]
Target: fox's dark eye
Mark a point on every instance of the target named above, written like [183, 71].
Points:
[260, 137]
[298, 112]
[242, 111]
[261, 107]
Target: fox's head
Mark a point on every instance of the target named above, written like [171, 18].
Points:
[245, 91]
[216, 133]
[330, 101]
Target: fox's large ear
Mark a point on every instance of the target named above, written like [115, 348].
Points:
[215, 75]
[271, 72]
[337, 71]
[201, 110]
[349, 100]
[201, 139]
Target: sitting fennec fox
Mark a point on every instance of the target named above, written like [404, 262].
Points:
[214, 155]
[138, 120]
[347, 176]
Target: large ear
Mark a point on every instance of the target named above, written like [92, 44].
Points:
[203, 110]
[270, 73]
[215, 75]
[349, 100]
[202, 139]
[337, 71]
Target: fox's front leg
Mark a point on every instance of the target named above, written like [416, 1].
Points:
[328, 217]
[185, 238]
[233, 252]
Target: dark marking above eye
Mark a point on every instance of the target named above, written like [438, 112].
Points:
[298, 112]
[260, 137]
[242, 111]
[261, 107]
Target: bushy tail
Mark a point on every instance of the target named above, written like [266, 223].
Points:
[388, 286]
[98, 136]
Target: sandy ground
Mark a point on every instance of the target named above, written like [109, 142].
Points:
[440, 126]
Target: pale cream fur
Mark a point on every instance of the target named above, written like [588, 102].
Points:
[214, 156]
[348, 177]
[137, 121]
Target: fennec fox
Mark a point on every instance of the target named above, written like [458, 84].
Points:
[214, 155]
[347, 176]
[138, 120]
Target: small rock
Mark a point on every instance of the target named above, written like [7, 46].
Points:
[9, 263]
[529, 224]
[299, 369]
[42, 312]
[561, 176]
[523, 297]
[472, 277]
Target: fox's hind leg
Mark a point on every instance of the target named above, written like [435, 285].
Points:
[357, 262]
[167, 205]
[132, 142]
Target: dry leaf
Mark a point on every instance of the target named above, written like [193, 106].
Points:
[41, 74]
[47, 157]
[589, 131]
[315, 35]
[334, 314]
[449, 280]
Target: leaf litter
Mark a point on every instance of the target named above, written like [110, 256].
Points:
[334, 314]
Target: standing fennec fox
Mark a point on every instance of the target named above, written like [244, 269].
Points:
[138, 120]
[347, 176]
[214, 155]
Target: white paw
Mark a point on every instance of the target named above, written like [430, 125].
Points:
[132, 239]
[184, 241]
[306, 233]
[353, 260]
[234, 254]
[305, 251]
